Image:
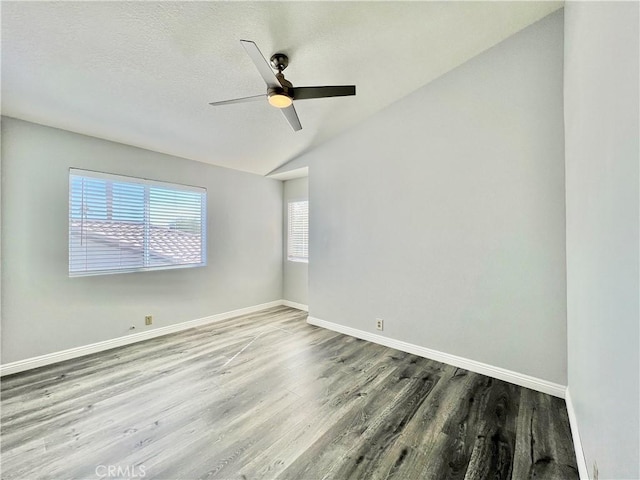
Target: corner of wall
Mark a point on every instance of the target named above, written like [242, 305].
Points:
[583, 471]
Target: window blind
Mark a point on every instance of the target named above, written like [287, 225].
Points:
[124, 224]
[298, 235]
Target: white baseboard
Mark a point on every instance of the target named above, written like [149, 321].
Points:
[583, 471]
[55, 357]
[299, 306]
[523, 380]
[496, 372]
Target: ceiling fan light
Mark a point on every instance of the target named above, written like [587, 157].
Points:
[279, 100]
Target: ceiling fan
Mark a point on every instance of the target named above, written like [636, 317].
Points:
[280, 92]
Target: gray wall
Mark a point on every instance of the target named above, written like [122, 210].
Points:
[46, 311]
[444, 214]
[296, 274]
[602, 125]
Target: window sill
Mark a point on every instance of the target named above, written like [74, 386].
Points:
[298, 260]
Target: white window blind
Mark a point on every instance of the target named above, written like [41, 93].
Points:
[298, 237]
[124, 224]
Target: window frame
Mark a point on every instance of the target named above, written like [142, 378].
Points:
[148, 184]
[292, 257]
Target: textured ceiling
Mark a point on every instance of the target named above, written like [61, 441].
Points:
[142, 73]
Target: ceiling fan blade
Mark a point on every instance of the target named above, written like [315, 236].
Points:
[261, 63]
[240, 100]
[303, 93]
[292, 117]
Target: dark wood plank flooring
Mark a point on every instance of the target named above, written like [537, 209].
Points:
[267, 396]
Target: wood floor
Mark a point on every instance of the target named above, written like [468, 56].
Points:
[267, 396]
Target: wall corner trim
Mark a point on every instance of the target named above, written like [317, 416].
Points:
[583, 471]
[299, 306]
[521, 379]
[55, 357]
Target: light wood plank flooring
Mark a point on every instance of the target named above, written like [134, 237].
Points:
[267, 396]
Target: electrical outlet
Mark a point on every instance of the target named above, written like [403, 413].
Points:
[379, 324]
[595, 471]
[148, 319]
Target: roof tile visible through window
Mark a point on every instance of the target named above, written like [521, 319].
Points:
[174, 245]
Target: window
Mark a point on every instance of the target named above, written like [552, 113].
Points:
[124, 224]
[298, 236]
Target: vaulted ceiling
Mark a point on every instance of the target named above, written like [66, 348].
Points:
[142, 73]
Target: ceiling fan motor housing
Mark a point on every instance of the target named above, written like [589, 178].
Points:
[286, 84]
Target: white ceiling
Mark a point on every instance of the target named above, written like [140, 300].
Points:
[142, 73]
